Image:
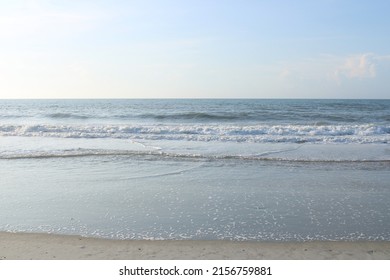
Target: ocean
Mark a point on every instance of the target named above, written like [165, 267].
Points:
[231, 169]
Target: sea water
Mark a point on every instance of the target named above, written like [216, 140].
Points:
[197, 169]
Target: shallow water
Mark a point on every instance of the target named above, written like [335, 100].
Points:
[206, 169]
[140, 197]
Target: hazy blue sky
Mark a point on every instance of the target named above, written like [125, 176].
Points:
[195, 48]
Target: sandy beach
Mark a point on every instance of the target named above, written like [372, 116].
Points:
[25, 246]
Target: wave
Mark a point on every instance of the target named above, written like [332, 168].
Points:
[66, 116]
[190, 116]
[160, 155]
[200, 111]
[257, 133]
[205, 117]
[196, 116]
[13, 116]
[187, 116]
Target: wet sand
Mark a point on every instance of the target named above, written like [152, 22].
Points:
[26, 246]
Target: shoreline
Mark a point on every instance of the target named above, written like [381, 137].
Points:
[42, 246]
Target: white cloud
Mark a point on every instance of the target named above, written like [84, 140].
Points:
[335, 68]
[358, 66]
[334, 76]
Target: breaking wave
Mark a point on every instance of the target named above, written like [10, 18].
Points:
[365, 133]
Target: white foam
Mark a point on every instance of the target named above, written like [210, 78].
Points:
[46, 147]
[365, 133]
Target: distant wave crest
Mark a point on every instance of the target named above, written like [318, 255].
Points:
[196, 116]
[65, 116]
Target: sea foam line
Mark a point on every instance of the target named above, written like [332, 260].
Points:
[365, 133]
[160, 155]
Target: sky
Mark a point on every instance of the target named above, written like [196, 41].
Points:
[194, 49]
